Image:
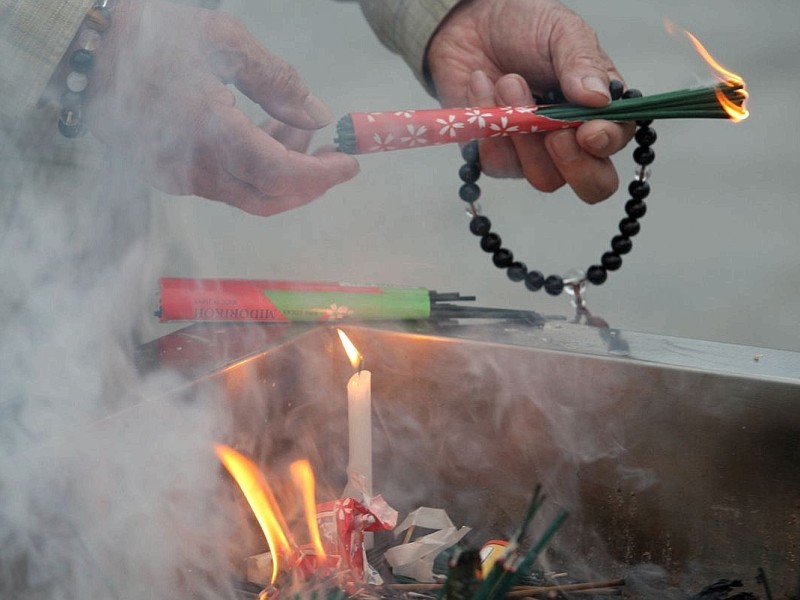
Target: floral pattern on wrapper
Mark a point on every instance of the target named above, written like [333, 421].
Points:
[397, 130]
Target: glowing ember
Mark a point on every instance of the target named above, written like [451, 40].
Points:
[303, 478]
[262, 501]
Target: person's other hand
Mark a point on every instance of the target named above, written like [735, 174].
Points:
[159, 95]
[494, 52]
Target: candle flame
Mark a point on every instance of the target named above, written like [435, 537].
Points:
[303, 478]
[736, 111]
[261, 500]
[352, 353]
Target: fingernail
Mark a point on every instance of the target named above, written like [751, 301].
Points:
[480, 85]
[598, 141]
[317, 110]
[595, 84]
[564, 146]
[511, 91]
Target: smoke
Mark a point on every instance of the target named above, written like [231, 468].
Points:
[92, 506]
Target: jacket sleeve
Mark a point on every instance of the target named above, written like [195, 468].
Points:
[406, 27]
[34, 35]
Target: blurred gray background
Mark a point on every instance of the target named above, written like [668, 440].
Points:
[718, 257]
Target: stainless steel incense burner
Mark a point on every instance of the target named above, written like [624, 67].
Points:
[667, 451]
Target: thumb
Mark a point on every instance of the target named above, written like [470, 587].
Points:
[583, 69]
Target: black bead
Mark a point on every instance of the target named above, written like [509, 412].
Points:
[534, 280]
[621, 244]
[611, 261]
[71, 131]
[596, 274]
[554, 285]
[645, 122]
[631, 93]
[469, 172]
[470, 152]
[517, 271]
[635, 209]
[469, 192]
[82, 60]
[629, 227]
[480, 225]
[646, 136]
[644, 155]
[491, 242]
[503, 258]
[639, 190]
[616, 89]
[554, 97]
[71, 101]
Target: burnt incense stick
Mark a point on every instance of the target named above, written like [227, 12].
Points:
[519, 567]
[533, 507]
[414, 587]
[522, 591]
[761, 578]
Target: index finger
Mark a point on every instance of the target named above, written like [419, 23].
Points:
[250, 155]
[235, 56]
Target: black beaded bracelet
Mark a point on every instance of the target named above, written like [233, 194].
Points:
[81, 63]
[621, 244]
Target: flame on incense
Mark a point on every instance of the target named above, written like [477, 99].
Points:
[736, 111]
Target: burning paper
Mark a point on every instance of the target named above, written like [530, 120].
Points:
[415, 559]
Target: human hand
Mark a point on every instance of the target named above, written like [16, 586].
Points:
[490, 52]
[158, 95]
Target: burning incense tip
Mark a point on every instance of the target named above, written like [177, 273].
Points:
[733, 107]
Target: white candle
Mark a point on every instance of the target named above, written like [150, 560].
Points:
[359, 420]
[359, 426]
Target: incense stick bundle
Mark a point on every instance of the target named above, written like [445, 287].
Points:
[366, 132]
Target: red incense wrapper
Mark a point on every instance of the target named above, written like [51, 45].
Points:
[363, 133]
